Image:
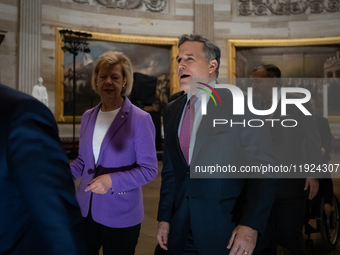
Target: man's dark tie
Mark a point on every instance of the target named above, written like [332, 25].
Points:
[186, 128]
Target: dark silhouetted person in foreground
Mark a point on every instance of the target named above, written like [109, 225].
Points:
[39, 213]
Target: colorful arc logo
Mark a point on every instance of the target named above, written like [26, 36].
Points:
[213, 90]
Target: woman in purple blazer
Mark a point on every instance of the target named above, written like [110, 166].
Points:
[117, 156]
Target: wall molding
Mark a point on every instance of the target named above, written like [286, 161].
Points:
[286, 7]
[151, 5]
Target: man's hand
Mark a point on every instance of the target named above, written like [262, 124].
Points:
[328, 209]
[162, 234]
[100, 185]
[313, 185]
[242, 241]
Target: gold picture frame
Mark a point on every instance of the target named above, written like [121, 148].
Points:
[156, 41]
[233, 44]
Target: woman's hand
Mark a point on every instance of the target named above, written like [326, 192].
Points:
[100, 185]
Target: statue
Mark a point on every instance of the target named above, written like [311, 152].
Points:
[40, 92]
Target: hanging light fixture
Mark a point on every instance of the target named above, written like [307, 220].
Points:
[74, 43]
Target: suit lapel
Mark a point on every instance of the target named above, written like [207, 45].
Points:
[173, 124]
[120, 119]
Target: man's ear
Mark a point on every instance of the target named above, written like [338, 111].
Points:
[213, 66]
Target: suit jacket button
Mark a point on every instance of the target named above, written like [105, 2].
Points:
[187, 198]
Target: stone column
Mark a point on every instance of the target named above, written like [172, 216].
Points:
[29, 44]
[204, 18]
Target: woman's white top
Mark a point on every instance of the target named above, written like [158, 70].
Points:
[103, 122]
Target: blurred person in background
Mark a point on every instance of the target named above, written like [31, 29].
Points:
[326, 183]
[292, 146]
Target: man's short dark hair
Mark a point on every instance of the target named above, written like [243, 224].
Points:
[271, 72]
[210, 50]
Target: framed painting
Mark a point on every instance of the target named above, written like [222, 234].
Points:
[306, 61]
[152, 56]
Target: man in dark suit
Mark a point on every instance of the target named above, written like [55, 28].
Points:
[297, 145]
[326, 184]
[210, 216]
[39, 213]
[325, 134]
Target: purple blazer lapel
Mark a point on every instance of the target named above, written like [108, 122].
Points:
[120, 119]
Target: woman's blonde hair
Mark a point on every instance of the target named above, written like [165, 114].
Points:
[110, 59]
